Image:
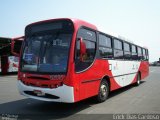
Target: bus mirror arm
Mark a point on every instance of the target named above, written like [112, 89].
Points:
[82, 49]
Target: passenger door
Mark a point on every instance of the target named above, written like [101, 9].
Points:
[86, 69]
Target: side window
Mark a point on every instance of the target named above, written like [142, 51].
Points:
[144, 54]
[105, 46]
[147, 54]
[89, 38]
[140, 56]
[134, 52]
[118, 51]
[127, 50]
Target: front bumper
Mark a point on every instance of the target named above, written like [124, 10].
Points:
[64, 93]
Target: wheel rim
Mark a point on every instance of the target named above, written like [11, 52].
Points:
[103, 91]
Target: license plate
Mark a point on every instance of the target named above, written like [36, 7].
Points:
[39, 93]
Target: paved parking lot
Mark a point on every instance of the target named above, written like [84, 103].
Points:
[141, 100]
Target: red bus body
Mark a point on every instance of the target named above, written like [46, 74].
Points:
[75, 86]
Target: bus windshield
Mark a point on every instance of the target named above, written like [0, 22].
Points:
[46, 52]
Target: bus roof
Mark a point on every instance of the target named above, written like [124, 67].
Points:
[76, 22]
[21, 38]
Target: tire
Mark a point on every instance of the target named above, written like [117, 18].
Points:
[138, 80]
[103, 91]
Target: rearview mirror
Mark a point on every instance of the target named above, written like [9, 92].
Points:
[82, 49]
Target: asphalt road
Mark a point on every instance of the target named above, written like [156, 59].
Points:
[144, 99]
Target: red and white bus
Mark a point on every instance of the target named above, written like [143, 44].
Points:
[8, 62]
[68, 60]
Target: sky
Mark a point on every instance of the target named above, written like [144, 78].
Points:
[135, 20]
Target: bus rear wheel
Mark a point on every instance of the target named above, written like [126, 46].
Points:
[138, 80]
[103, 91]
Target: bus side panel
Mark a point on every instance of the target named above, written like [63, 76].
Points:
[113, 84]
[144, 69]
[89, 80]
[124, 72]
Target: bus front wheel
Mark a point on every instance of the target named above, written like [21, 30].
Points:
[103, 91]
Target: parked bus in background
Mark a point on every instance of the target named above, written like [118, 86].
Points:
[16, 45]
[8, 62]
[68, 60]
